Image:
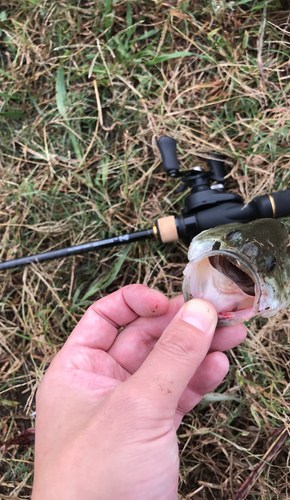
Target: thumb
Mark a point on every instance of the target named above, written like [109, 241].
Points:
[178, 353]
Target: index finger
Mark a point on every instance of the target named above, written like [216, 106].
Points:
[100, 324]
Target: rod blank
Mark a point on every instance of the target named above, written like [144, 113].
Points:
[79, 249]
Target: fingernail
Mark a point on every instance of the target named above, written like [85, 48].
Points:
[200, 314]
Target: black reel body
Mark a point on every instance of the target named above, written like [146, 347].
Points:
[208, 204]
[203, 194]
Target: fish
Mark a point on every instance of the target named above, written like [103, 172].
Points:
[242, 269]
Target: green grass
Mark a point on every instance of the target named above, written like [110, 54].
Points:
[87, 88]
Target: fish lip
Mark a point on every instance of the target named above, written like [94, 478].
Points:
[250, 270]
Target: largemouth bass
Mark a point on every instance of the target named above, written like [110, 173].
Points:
[242, 269]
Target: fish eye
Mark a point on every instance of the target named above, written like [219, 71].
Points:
[233, 235]
[216, 245]
[270, 263]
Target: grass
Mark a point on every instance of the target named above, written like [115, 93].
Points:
[87, 88]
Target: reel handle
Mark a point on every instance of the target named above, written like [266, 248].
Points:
[167, 148]
[216, 164]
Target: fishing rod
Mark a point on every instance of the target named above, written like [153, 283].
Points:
[208, 205]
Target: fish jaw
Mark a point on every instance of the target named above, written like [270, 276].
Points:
[203, 281]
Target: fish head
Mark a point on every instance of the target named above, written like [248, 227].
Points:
[242, 269]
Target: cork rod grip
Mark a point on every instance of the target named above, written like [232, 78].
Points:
[166, 228]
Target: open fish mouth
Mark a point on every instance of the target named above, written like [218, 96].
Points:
[228, 281]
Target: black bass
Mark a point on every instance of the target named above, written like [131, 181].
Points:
[242, 269]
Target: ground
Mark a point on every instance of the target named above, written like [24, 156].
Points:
[87, 88]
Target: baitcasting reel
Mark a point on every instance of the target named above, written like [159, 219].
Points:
[208, 205]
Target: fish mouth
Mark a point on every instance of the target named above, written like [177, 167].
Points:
[228, 281]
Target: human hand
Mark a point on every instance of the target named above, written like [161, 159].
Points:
[110, 403]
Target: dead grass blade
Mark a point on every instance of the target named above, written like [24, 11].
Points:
[270, 454]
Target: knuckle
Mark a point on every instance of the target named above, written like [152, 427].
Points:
[179, 343]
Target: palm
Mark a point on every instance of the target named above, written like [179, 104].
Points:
[154, 453]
